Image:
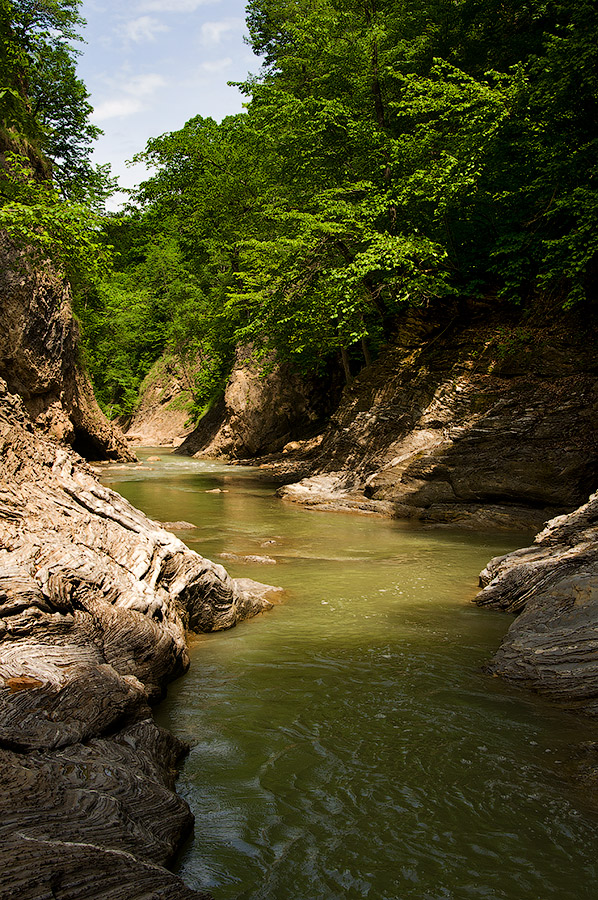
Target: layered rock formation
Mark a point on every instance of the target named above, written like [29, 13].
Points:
[39, 358]
[94, 603]
[463, 421]
[161, 418]
[261, 411]
[552, 586]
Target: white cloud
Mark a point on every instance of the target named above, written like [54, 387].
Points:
[143, 85]
[144, 28]
[133, 96]
[117, 108]
[217, 65]
[213, 32]
[172, 5]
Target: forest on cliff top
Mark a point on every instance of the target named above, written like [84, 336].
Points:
[391, 153]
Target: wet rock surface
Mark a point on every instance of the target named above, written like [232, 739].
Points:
[552, 586]
[95, 600]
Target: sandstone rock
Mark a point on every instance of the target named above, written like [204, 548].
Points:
[260, 412]
[39, 359]
[468, 423]
[552, 646]
[95, 600]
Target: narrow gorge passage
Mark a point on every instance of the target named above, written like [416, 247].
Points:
[346, 744]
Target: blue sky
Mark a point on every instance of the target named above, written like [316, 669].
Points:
[150, 65]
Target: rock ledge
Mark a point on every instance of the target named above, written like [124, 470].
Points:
[95, 600]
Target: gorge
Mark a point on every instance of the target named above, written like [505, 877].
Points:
[362, 313]
[97, 599]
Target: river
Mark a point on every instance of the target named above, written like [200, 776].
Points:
[346, 744]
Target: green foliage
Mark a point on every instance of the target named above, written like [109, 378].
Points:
[391, 154]
[44, 106]
[36, 219]
[124, 331]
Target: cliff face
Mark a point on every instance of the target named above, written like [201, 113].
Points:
[476, 423]
[94, 603]
[39, 359]
[161, 416]
[259, 413]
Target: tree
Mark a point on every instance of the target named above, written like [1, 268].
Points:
[393, 153]
[44, 106]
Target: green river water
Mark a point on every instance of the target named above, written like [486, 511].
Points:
[346, 744]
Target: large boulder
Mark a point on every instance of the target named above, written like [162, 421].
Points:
[552, 586]
[95, 600]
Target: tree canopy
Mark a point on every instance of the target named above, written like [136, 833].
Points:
[50, 194]
[44, 106]
[392, 153]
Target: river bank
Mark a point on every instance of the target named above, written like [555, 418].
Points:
[95, 601]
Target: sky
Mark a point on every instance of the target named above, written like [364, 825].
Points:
[150, 65]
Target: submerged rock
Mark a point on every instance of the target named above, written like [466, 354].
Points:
[95, 600]
[552, 646]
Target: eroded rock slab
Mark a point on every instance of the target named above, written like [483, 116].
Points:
[464, 422]
[552, 646]
[95, 600]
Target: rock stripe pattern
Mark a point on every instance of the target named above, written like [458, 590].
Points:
[552, 587]
[95, 602]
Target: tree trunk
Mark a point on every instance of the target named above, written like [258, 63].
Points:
[346, 369]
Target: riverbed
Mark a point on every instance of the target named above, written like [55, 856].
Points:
[347, 744]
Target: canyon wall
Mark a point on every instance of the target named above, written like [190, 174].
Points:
[162, 415]
[463, 422]
[264, 407]
[40, 358]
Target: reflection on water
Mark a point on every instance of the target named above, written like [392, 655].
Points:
[346, 744]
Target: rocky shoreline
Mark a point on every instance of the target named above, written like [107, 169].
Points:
[95, 602]
[552, 588]
[481, 419]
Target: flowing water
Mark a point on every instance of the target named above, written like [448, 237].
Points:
[346, 744]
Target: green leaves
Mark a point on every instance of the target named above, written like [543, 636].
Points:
[44, 106]
[391, 154]
[36, 219]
